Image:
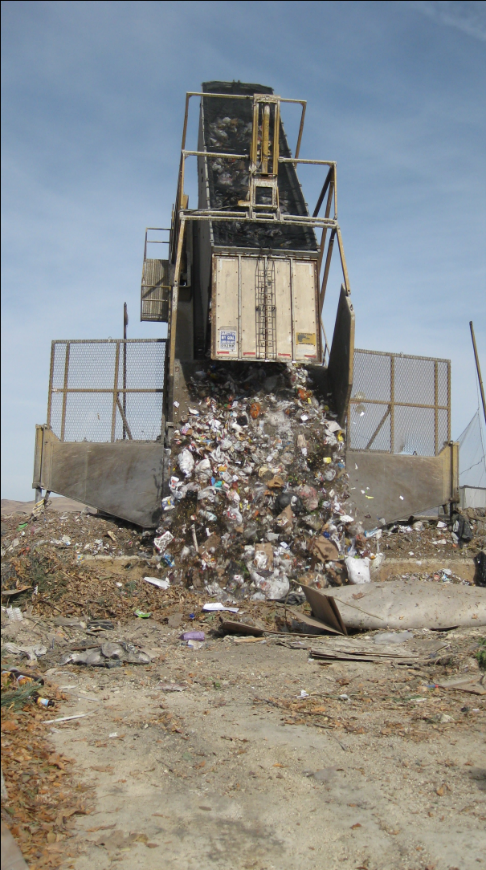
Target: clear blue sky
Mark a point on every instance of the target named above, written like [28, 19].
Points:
[92, 104]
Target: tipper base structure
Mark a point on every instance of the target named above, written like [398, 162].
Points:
[242, 289]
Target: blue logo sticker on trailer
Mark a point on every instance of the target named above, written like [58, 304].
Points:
[227, 339]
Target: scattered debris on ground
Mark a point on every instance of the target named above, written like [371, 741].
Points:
[382, 731]
[186, 682]
[42, 797]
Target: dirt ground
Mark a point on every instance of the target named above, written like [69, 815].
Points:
[244, 753]
[210, 757]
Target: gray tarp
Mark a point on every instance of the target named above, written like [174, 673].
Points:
[410, 604]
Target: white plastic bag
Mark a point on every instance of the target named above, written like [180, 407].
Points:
[274, 587]
[358, 570]
[185, 461]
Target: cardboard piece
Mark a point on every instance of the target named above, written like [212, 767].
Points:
[232, 627]
[209, 545]
[333, 656]
[325, 609]
[286, 518]
[11, 855]
[8, 593]
[264, 557]
[303, 624]
[353, 650]
[276, 482]
[325, 549]
[463, 684]
[410, 604]
[249, 640]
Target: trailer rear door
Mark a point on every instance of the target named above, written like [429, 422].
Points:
[265, 308]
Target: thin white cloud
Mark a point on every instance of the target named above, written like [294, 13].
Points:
[466, 15]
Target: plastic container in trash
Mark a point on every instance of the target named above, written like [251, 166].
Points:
[192, 635]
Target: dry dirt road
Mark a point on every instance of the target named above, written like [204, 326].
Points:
[233, 771]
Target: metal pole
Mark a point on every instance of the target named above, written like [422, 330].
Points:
[186, 113]
[341, 253]
[481, 386]
[324, 231]
[326, 271]
[51, 381]
[448, 400]
[276, 138]
[392, 404]
[266, 139]
[173, 320]
[64, 394]
[301, 128]
[115, 391]
[323, 192]
[436, 408]
[125, 324]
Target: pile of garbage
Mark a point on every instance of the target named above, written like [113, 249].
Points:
[259, 504]
[258, 486]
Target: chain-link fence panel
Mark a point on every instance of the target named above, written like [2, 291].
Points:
[107, 390]
[399, 403]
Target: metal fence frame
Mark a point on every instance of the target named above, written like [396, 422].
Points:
[116, 391]
[391, 404]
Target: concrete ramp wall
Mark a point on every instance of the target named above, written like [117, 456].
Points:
[394, 487]
[123, 478]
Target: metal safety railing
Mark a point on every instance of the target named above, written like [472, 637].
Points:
[107, 389]
[155, 285]
[399, 403]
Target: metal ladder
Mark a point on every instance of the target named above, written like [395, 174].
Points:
[265, 309]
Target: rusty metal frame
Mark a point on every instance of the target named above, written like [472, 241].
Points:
[65, 390]
[146, 288]
[379, 427]
[391, 404]
[174, 301]
[214, 214]
[115, 391]
[270, 97]
[155, 241]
